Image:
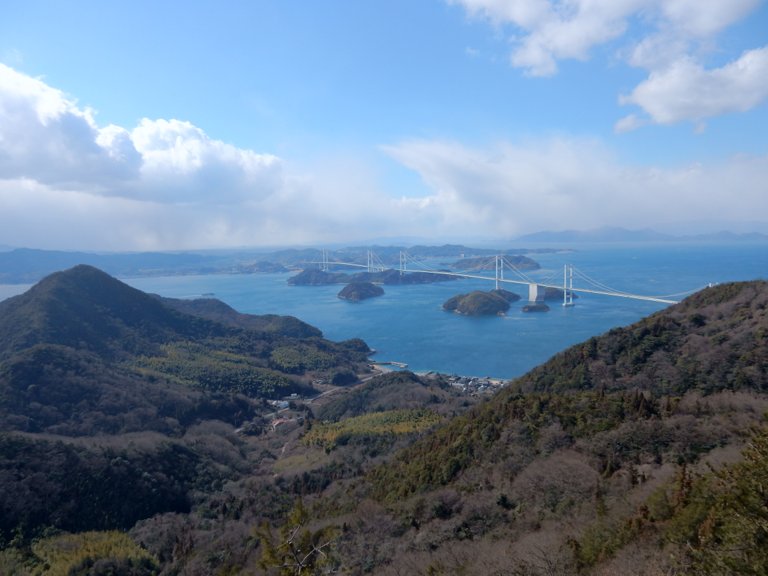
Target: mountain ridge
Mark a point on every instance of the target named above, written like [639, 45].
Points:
[82, 338]
[84, 306]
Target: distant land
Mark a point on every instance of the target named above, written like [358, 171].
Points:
[616, 234]
[316, 277]
[25, 265]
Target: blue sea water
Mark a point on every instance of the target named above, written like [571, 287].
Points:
[407, 323]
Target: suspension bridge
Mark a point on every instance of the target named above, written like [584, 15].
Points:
[503, 267]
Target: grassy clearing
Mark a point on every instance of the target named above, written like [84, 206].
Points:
[389, 423]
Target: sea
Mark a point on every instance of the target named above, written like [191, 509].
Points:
[408, 325]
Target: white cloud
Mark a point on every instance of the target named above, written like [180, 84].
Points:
[704, 18]
[628, 123]
[46, 137]
[524, 13]
[181, 163]
[687, 91]
[556, 184]
[570, 32]
[67, 182]
[676, 36]
[555, 30]
[658, 51]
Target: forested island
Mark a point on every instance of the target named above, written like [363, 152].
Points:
[357, 291]
[485, 263]
[142, 436]
[480, 303]
[317, 277]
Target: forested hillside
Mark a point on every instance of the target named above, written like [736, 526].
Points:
[106, 392]
[642, 451]
[83, 353]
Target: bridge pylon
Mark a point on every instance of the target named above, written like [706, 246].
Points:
[499, 270]
[567, 289]
[374, 263]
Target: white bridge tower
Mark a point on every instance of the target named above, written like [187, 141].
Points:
[567, 285]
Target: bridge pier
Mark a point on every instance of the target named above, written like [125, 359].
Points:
[536, 293]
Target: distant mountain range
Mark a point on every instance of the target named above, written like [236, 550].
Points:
[615, 234]
[26, 266]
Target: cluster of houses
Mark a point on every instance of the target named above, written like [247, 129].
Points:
[472, 385]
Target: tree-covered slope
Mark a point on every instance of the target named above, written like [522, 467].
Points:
[218, 311]
[116, 405]
[87, 309]
[577, 447]
[82, 352]
[714, 340]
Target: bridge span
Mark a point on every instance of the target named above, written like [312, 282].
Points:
[502, 263]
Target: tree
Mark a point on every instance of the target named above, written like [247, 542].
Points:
[733, 539]
[721, 522]
[297, 551]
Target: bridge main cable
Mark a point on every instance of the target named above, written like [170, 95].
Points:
[500, 279]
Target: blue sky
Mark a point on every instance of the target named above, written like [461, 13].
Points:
[135, 125]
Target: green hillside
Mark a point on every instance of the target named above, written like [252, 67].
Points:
[84, 353]
[101, 386]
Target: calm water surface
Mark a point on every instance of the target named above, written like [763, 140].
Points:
[407, 323]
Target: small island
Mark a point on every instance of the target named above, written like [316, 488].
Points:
[480, 303]
[357, 291]
[536, 307]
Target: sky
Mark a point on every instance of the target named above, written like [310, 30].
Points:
[144, 125]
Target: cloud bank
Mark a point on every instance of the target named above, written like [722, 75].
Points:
[560, 183]
[67, 182]
[666, 96]
[671, 39]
